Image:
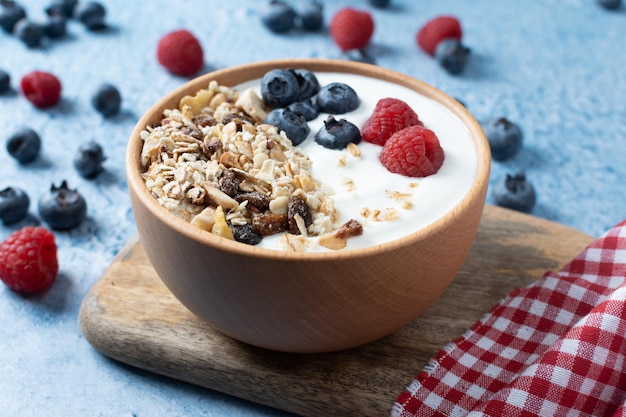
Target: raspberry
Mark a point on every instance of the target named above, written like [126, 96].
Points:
[180, 53]
[28, 259]
[351, 28]
[414, 152]
[389, 116]
[41, 88]
[436, 30]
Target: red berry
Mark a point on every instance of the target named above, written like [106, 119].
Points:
[436, 30]
[389, 116]
[41, 88]
[414, 152]
[351, 28]
[28, 259]
[180, 53]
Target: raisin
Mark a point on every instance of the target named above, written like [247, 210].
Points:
[202, 120]
[269, 223]
[210, 146]
[257, 201]
[350, 229]
[239, 119]
[229, 183]
[297, 206]
[194, 132]
[246, 234]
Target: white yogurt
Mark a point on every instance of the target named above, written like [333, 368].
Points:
[365, 183]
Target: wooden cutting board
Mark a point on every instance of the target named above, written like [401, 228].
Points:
[129, 315]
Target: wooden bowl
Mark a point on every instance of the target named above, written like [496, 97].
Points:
[306, 301]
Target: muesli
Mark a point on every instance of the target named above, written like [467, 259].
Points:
[214, 163]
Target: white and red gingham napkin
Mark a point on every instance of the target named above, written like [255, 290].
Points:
[554, 348]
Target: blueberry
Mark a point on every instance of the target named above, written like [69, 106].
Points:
[62, 208]
[452, 55]
[312, 16]
[91, 14]
[337, 98]
[610, 4]
[308, 83]
[504, 137]
[381, 4]
[337, 134]
[295, 126]
[107, 100]
[55, 27]
[14, 204]
[305, 109]
[10, 14]
[5, 81]
[279, 88]
[30, 33]
[515, 193]
[88, 160]
[24, 145]
[63, 8]
[246, 234]
[278, 16]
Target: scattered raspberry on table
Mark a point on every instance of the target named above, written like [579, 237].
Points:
[414, 152]
[436, 30]
[180, 53]
[28, 259]
[351, 28]
[41, 88]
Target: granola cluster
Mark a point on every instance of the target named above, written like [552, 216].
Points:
[214, 163]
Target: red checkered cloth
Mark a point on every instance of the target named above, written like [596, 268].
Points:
[554, 348]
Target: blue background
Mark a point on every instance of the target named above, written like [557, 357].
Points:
[554, 67]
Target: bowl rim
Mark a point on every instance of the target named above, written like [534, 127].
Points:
[235, 75]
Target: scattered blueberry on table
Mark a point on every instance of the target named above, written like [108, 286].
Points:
[88, 160]
[107, 100]
[504, 137]
[14, 204]
[62, 208]
[24, 145]
[515, 192]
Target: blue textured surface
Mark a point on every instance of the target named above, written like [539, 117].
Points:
[555, 67]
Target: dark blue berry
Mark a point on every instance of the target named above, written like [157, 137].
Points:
[305, 109]
[381, 4]
[61, 8]
[62, 208]
[337, 98]
[246, 234]
[24, 145]
[295, 126]
[308, 82]
[278, 16]
[452, 55]
[504, 137]
[610, 4]
[515, 193]
[312, 16]
[55, 27]
[30, 33]
[279, 88]
[107, 100]
[337, 134]
[91, 14]
[10, 14]
[5, 81]
[14, 204]
[88, 160]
